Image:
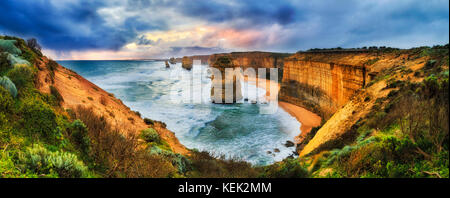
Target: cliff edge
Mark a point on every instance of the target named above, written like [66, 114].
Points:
[76, 90]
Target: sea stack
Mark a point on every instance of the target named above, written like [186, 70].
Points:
[186, 63]
[172, 61]
[222, 63]
[167, 64]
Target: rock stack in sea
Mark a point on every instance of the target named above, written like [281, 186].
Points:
[221, 95]
[172, 61]
[186, 63]
[167, 64]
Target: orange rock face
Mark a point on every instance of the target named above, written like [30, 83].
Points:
[255, 60]
[222, 79]
[202, 58]
[186, 63]
[321, 86]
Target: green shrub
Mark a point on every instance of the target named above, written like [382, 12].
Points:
[430, 64]
[38, 118]
[10, 46]
[288, 168]
[80, 135]
[42, 161]
[4, 62]
[206, 165]
[20, 44]
[371, 61]
[16, 60]
[8, 85]
[21, 75]
[6, 101]
[177, 160]
[150, 135]
[7, 168]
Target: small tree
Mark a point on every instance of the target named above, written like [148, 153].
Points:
[34, 45]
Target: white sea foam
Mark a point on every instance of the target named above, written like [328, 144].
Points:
[237, 130]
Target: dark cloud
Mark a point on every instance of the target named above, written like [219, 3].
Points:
[250, 13]
[144, 41]
[77, 25]
[67, 25]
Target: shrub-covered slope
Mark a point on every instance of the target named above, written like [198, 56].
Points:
[396, 126]
[55, 123]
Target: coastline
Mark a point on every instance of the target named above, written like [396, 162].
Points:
[307, 119]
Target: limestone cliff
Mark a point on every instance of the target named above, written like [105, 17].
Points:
[340, 87]
[204, 59]
[319, 83]
[222, 81]
[255, 60]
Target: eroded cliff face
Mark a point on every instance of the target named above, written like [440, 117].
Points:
[226, 86]
[341, 87]
[186, 63]
[204, 59]
[255, 60]
[322, 87]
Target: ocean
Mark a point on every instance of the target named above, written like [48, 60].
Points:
[232, 131]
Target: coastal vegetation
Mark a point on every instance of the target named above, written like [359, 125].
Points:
[405, 134]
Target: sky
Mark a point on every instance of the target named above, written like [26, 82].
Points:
[140, 29]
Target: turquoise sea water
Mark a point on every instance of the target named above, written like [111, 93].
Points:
[237, 130]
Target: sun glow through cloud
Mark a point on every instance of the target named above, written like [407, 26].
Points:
[131, 29]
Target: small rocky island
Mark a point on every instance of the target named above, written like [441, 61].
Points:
[167, 64]
[172, 61]
[187, 63]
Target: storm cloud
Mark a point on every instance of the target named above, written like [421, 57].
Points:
[287, 26]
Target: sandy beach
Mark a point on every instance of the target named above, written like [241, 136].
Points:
[307, 118]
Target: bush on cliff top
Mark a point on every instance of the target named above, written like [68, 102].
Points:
[26, 53]
[10, 46]
[8, 85]
[150, 135]
[79, 135]
[6, 101]
[39, 119]
[4, 63]
[206, 165]
[62, 164]
[288, 168]
[22, 76]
